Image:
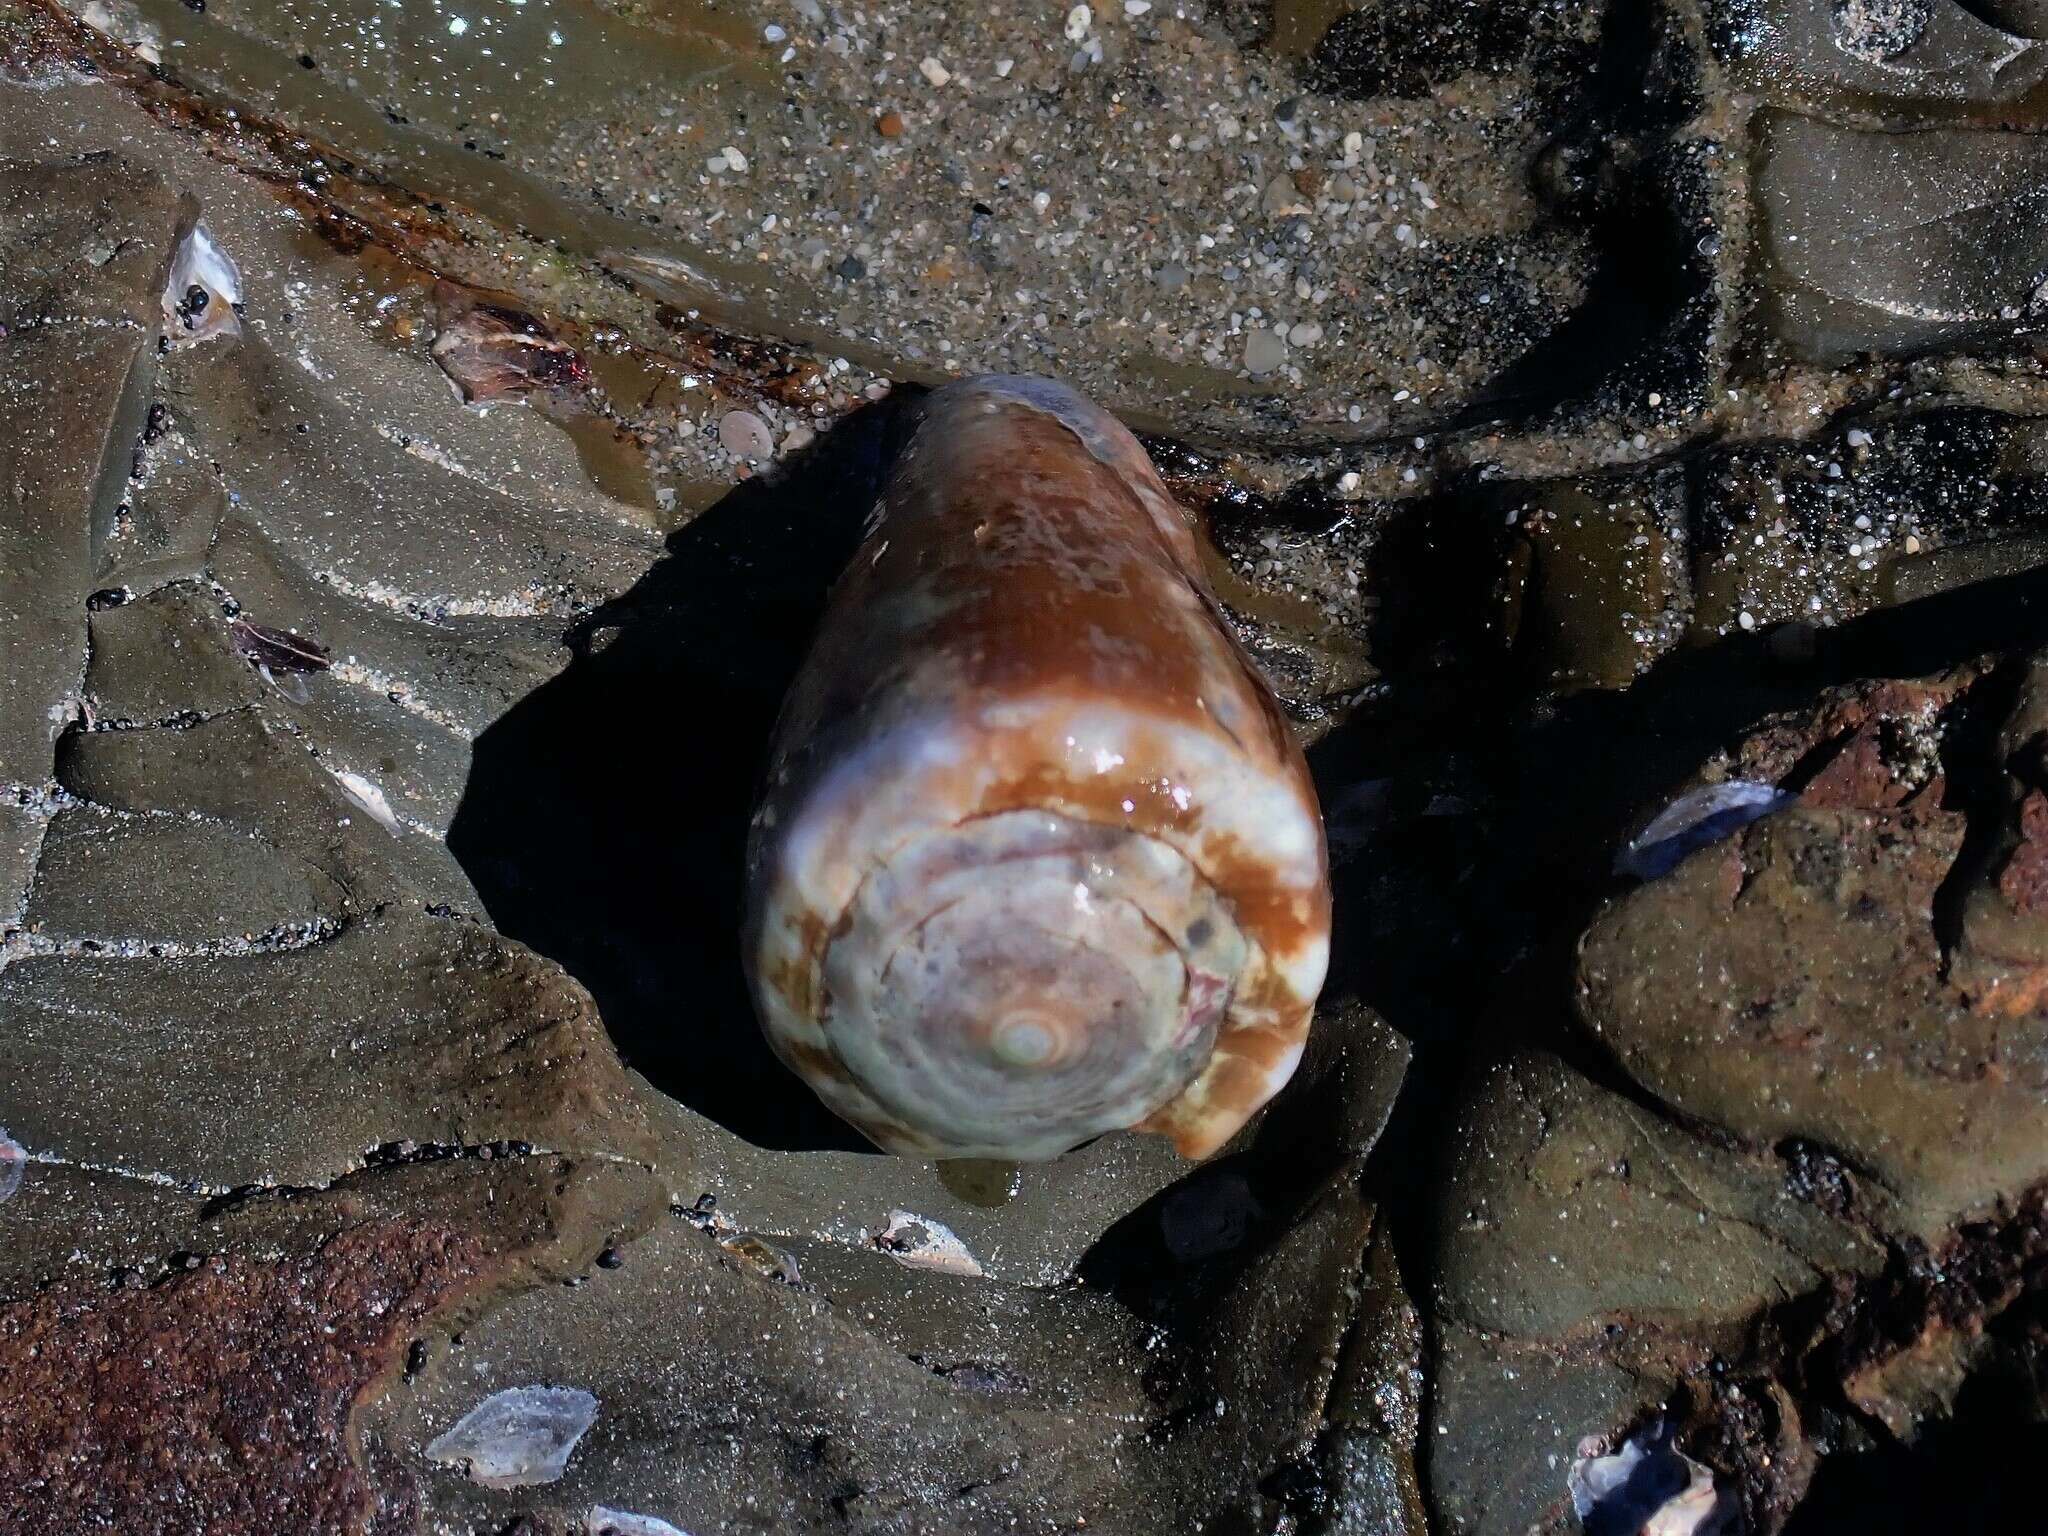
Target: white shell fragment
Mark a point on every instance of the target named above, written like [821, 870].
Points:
[204, 288]
[1648, 1487]
[13, 1163]
[517, 1437]
[921, 1243]
[616, 1522]
[367, 795]
[1695, 819]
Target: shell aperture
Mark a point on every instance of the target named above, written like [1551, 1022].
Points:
[1038, 859]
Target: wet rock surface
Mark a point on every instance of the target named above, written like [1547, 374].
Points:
[1591, 416]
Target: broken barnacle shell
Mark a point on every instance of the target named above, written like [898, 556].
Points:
[918, 1242]
[491, 352]
[1647, 1486]
[1039, 858]
[203, 295]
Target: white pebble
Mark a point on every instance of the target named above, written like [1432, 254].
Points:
[773, 33]
[734, 160]
[1079, 20]
[1137, 7]
[934, 71]
[1003, 68]
[1746, 619]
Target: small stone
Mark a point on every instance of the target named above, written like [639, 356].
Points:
[1282, 198]
[746, 436]
[1003, 68]
[934, 72]
[852, 268]
[1079, 20]
[1305, 334]
[798, 438]
[1137, 7]
[734, 160]
[1264, 350]
[773, 33]
[889, 125]
[1172, 277]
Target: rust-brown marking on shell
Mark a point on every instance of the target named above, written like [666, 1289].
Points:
[1016, 586]
[796, 979]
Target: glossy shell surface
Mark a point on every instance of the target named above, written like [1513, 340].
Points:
[1038, 857]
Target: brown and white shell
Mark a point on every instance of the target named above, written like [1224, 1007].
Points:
[1038, 858]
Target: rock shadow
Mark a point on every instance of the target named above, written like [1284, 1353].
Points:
[604, 822]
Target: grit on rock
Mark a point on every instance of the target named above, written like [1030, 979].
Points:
[1620, 434]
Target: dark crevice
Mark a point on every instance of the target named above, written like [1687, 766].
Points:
[1976, 784]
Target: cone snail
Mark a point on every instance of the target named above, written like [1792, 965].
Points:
[1038, 858]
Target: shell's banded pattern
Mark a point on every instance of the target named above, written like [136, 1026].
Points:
[1038, 857]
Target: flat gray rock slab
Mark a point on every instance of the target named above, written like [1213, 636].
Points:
[70, 403]
[21, 833]
[165, 655]
[1566, 1205]
[247, 772]
[86, 241]
[924, 1400]
[128, 881]
[222, 1070]
[84, 248]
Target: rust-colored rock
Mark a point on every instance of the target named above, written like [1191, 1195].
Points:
[218, 1398]
[2024, 880]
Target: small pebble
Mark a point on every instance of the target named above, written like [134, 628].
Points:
[1172, 277]
[1137, 7]
[746, 436]
[853, 267]
[1079, 20]
[889, 125]
[734, 160]
[934, 72]
[610, 1258]
[773, 33]
[1264, 350]
[1282, 197]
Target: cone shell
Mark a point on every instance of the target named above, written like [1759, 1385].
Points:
[1038, 858]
